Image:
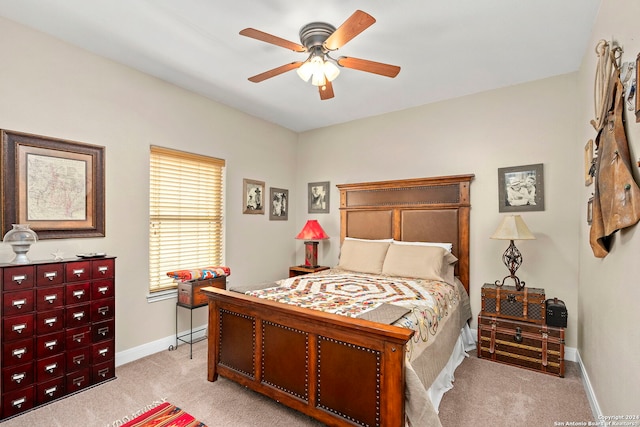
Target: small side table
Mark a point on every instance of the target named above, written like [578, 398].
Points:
[190, 297]
[299, 270]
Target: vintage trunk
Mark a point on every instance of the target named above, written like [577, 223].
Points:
[190, 295]
[523, 344]
[527, 305]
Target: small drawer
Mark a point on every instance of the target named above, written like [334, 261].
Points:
[103, 371]
[18, 327]
[102, 268]
[17, 377]
[78, 293]
[79, 358]
[49, 298]
[18, 302]
[50, 390]
[103, 351]
[17, 401]
[17, 352]
[49, 321]
[102, 289]
[102, 331]
[50, 368]
[50, 344]
[77, 315]
[49, 274]
[17, 278]
[103, 309]
[78, 380]
[78, 337]
[78, 271]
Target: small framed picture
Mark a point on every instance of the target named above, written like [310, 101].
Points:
[588, 163]
[590, 210]
[521, 188]
[279, 204]
[252, 197]
[318, 197]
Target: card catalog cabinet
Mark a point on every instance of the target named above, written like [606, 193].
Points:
[58, 330]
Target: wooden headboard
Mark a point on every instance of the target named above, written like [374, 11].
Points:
[417, 210]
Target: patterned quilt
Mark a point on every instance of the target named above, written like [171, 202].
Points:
[351, 294]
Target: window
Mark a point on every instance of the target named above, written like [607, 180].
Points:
[186, 207]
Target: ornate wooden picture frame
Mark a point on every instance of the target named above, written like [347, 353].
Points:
[588, 162]
[318, 197]
[54, 185]
[521, 188]
[278, 204]
[252, 197]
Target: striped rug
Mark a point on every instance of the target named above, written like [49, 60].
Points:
[165, 415]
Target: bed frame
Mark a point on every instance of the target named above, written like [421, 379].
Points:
[308, 360]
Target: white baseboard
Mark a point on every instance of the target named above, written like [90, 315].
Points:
[153, 347]
[591, 396]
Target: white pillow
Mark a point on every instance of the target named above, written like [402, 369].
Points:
[363, 256]
[368, 240]
[424, 262]
[447, 246]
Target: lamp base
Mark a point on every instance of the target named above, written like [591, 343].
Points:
[310, 254]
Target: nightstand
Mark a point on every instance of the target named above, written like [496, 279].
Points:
[299, 270]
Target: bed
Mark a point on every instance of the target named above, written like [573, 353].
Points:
[348, 370]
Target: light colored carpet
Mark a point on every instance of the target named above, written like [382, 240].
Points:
[485, 394]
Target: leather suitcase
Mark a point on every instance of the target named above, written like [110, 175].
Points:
[527, 345]
[190, 294]
[526, 305]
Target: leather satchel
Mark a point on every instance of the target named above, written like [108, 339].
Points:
[556, 313]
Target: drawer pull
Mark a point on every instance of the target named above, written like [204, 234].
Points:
[78, 359]
[18, 402]
[78, 381]
[50, 298]
[19, 328]
[50, 345]
[19, 303]
[50, 321]
[103, 352]
[78, 294]
[19, 352]
[50, 275]
[51, 368]
[103, 269]
[103, 289]
[79, 272]
[19, 279]
[78, 337]
[79, 315]
[103, 310]
[17, 378]
[103, 331]
[51, 391]
[103, 372]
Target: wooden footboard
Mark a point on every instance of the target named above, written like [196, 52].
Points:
[339, 370]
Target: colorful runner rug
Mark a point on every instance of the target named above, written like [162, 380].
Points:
[165, 415]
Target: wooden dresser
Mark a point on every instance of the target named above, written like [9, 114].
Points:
[58, 330]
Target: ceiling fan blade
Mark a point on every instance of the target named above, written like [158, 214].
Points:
[326, 91]
[369, 66]
[354, 25]
[275, 72]
[269, 38]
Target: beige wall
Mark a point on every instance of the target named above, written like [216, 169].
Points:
[51, 88]
[609, 337]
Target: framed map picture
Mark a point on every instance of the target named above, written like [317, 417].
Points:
[55, 186]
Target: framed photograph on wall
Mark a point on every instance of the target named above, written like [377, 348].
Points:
[588, 163]
[252, 196]
[318, 197]
[278, 204]
[521, 188]
[54, 185]
[590, 210]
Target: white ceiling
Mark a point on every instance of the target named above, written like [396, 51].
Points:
[446, 48]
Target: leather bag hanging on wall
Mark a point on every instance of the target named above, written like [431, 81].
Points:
[616, 202]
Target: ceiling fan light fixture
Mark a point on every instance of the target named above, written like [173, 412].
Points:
[331, 70]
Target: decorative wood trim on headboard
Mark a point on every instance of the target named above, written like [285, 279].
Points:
[421, 209]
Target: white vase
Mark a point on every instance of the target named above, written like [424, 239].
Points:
[20, 237]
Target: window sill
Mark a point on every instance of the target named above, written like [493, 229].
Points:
[162, 295]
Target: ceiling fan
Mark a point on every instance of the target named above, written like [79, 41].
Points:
[318, 39]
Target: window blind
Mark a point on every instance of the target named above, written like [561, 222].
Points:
[186, 207]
